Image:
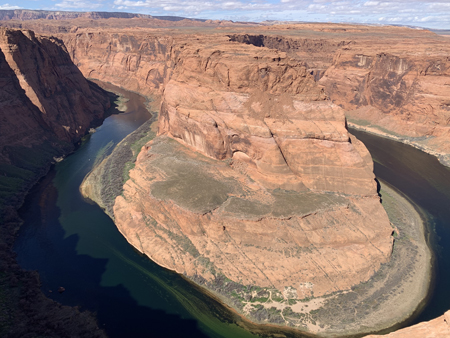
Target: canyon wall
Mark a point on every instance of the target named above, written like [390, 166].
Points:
[47, 106]
[399, 90]
[392, 81]
[253, 172]
[138, 62]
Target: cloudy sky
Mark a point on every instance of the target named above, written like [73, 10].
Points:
[427, 13]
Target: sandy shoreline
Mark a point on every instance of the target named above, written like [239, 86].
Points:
[410, 249]
[392, 295]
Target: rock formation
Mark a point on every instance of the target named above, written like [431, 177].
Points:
[394, 85]
[436, 328]
[46, 105]
[400, 91]
[253, 180]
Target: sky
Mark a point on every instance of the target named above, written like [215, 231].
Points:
[427, 13]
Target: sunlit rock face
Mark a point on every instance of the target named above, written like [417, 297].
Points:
[436, 328]
[253, 178]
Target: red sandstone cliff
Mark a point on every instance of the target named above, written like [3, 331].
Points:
[46, 106]
[261, 120]
[399, 89]
[253, 174]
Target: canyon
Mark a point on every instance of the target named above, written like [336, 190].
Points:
[250, 171]
[47, 106]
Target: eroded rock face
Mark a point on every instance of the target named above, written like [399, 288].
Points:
[46, 105]
[204, 217]
[436, 328]
[254, 179]
[138, 62]
[401, 91]
[67, 102]
[267, 112]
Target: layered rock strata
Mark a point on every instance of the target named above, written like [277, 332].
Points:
[46, 105]
[401, 92]
[253, 180]
[145, 61]
[391, 81]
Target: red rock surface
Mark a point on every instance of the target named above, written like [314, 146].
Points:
[398, 86]
[67, 103]
[392, 80]
[436, 328]
[253, 174]
[46, 106]
[259, 118]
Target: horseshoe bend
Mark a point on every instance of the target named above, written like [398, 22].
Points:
[253, 187]
[247, 181]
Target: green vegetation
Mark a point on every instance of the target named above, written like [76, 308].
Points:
[366, 123]
[115, 168]
[387, 131]
[292, 301]
[362, 123]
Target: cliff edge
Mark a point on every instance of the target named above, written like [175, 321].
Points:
[253, 187]
[46, 106]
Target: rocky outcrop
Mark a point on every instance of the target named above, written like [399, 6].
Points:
[268, 112]
[252, 175]
[46, 105]
[399, 91]
[436, 328]
[138, 62]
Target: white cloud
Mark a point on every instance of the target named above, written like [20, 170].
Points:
[71, 4]
[432, 13]
[196, 6]
[8, 6]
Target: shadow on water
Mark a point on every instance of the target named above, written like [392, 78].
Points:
[427, 183]
[55, 256]
[75, 245]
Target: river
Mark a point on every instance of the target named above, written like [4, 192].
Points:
[74, 244]
[426, 182]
